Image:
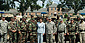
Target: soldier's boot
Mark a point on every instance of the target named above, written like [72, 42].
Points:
[70, 41]
[47, 41]
[32, 41]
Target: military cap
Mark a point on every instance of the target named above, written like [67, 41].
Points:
[32, 15]
[12, 17]
[46, 16]
[33, 19]
[78, 16]
[23, 17]
[49, 17]
[71, 19]
[3, 15]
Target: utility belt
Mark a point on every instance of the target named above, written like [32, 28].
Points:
[71, 31]
[34, 31]
[61, 31]
[23, 30]
[82, 30]
[3, 34]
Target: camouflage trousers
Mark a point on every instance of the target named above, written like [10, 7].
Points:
[72, 38]
[3, 38]
[13, 37]
[49, 38]
[82, 37]
[61, 37]
[33, 38]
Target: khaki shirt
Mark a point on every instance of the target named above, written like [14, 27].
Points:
[3, 26]
[50, 27]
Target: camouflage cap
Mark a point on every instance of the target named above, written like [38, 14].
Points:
[32, 15]
[33, 19]
[24, 16]
[72, 19]
[12, 17]
[49, 17]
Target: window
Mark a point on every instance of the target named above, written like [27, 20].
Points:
[30, 14]
[35, 14]
[26, 13]
[55, 9]
[51, 14]
[51, 8]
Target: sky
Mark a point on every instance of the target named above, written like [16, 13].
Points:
[40, 3]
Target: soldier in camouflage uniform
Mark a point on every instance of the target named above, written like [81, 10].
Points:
[23, 29]
[3, 29]
[82, 30]
[61, 31]
[72, 31]
[50, 30]
[12, 31]
[77, 28]
[56, 21]
[32, 29]
[67, 22]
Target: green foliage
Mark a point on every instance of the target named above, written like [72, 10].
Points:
[4, 5]
[74, 4]
[49, 3]
[43, 2]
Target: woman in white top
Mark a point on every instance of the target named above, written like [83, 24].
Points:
[40, 30]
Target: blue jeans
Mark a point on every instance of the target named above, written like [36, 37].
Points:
[40, 37]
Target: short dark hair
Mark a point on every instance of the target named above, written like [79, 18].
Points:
[40, 18]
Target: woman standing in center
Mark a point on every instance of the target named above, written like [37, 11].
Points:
[40, 30]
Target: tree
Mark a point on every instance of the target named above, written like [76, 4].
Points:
[73, 4]
[25, 4]
[49, 3]
[43, 2]
[4, 5]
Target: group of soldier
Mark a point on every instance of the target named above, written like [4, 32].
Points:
[18, 31]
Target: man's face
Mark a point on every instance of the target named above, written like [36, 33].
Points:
[3, 18]
[40, 20]
[72, 21]
[61, 21]
[78, 18]
[12, 19]
[23, 19]
[68, 18]
[49, 20]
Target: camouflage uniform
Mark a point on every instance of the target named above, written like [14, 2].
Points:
[72, 31]
[56, 24]
[77, 29]
[33, 30]
[82, 31]
[23, 30]
[61, 31]
[13, 35]
[50, 29]
[3, 30]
